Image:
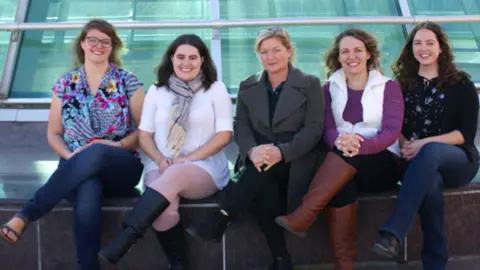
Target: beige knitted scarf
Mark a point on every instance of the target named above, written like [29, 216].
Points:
[180, 110]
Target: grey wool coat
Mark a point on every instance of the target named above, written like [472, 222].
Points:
[296, 128]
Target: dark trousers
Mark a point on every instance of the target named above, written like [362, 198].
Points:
[375, 173]
[83, 180]
[435, 167]
[266, 194]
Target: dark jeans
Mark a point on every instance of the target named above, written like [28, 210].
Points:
[375, 173]
[265, 193]
[83, 179]
[436, 166]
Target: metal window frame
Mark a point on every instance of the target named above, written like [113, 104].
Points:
[222, 23]
[13, 49]
[216, 23]
[216, 40]
[405, 9]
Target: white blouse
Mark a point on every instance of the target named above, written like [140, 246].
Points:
[210, 112]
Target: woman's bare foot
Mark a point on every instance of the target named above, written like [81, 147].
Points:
[12, 230]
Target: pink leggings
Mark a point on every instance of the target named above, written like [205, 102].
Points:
[185, 180]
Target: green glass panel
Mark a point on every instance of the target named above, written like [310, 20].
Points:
[464, 37]
[8, 8]
[46, 55]
[311, 42]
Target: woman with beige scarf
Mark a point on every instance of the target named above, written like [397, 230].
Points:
[186, 122]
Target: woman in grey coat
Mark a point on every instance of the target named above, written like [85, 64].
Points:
[278, 125]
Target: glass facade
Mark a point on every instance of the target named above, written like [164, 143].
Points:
[465, 37]
[311, 42]
[8, 10]
[46, 55]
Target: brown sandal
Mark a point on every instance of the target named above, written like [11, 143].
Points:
[9, 231]
[18, 235]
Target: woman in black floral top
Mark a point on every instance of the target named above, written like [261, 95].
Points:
[441, 113]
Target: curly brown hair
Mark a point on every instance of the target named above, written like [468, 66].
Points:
[106, 28]
[371, 44]
[405, 69]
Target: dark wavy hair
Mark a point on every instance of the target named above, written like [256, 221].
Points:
[106, 28]
[165, 69]
[371, 44]
[405, 69]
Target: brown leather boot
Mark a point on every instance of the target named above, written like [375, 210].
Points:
[332, 176]
[342, 225]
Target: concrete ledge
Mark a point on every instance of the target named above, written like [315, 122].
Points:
[244, 246]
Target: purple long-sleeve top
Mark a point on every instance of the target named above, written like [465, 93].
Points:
[393, 109]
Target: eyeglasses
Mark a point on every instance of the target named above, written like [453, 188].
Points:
[272, 31]
[93, 41]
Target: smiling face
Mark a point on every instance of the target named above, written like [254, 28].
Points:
[274, 55]
[97, 47]
[187, 62]
[426, 47]
[353, 55]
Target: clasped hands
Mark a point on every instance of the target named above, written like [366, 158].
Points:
[265, 156]
[410, 148]
[163, 163]
[349, 144]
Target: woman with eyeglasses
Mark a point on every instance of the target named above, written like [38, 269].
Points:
[437, 142]
[363, 119]
[91, 127]
[186, 122]
[279, 122]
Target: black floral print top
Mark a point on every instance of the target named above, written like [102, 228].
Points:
[424, 107]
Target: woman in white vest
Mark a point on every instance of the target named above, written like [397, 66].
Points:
[363, 120]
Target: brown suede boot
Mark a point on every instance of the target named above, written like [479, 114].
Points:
[332, 176]
[342, 225]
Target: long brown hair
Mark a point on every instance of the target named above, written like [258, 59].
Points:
[371, 44]
[405, 69]
[106, 28]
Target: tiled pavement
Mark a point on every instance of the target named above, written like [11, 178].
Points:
[23, 169]
[454, 264]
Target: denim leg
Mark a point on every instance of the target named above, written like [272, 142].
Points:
[434, 250]
[432, 215]
[87, 201]
[422, 190]
[96, 160]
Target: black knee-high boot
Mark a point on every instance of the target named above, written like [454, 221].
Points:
[150, 205]
[175, 247]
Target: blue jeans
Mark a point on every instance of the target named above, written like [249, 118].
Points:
[83, 180]
[436, 166]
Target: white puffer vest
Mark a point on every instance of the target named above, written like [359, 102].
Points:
[372, 103]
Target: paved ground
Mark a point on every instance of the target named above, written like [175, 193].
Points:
[454, 264]
[23, 169]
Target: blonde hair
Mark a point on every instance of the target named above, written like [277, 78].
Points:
[279, 33]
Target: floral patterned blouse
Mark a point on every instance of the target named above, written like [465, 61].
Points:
[87, 117]
[424, 106]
